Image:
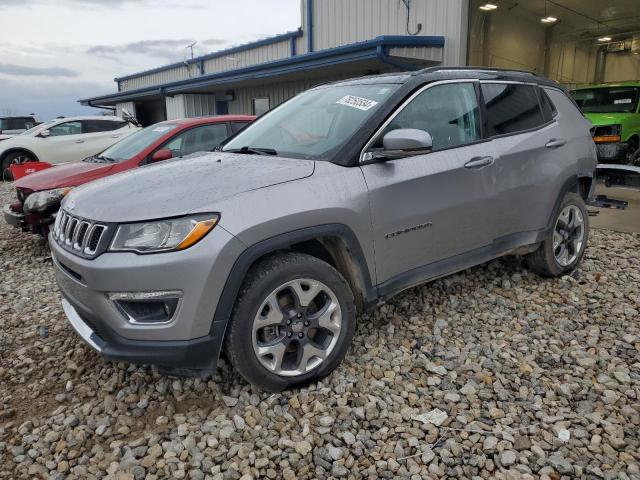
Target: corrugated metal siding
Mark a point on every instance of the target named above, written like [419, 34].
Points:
[277, 93]
[190, 105]
[199, 105]
[340, 22]
[175, 107]
[130, 106]
[172, 75]
[433, 54]
[254, 56]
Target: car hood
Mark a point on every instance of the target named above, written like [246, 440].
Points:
[608, 118]
[64, 175]
[182, 186]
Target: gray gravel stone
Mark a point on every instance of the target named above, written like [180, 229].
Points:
[511, 359]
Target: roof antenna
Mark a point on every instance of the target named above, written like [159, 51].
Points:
[191, 47]
[186, 63]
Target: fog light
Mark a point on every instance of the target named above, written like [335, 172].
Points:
[146, 308]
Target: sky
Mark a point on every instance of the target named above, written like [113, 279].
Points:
[54, 53]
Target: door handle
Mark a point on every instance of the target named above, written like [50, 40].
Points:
[79, 141]
[479, 162]
[555, 143]
[115, 136]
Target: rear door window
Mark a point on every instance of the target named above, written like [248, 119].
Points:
[97, 126]
[198, 139]
[237, 126]
[511, 108]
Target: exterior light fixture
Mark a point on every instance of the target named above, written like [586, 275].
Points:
[488, 7]
[549, 19]
[604, 39]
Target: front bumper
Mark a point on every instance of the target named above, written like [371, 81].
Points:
[36, 222]
[14, 218]
[611, 152]
[198, 354]
[191, 340]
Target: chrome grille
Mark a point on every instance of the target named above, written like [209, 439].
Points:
[77, 234]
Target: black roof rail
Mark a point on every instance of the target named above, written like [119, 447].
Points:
[477, 69]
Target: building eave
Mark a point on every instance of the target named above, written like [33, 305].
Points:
[368, 50]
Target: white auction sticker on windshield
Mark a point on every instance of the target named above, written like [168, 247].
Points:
[357, 102]
[622, 100]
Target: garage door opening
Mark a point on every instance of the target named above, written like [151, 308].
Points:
[571, 41]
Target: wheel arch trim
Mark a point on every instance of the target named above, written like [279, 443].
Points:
[258, 250]
[11, 150]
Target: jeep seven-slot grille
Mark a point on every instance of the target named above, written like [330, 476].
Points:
[77, 234]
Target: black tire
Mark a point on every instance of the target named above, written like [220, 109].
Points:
[543, 261]
[10, 159]
[632, 147]
[264, 278]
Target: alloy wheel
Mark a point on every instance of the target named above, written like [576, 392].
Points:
[297, 327]
[568, 235]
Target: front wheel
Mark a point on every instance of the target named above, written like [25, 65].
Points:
[632, 157]
[14, 158]
[292, 324]
[565, 244]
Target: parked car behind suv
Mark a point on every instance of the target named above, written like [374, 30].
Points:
[63, 140]
[39, 194]
[613, 110]
[10, 126]
[327, 205]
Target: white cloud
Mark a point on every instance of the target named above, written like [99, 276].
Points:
[85, 44]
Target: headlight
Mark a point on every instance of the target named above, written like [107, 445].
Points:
[41, 201]
[163, 235]
[607, 133]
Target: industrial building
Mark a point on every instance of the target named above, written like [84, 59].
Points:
[571, 41]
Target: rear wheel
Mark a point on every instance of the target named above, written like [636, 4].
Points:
[565, 244]
[293, 322]
[14, 158]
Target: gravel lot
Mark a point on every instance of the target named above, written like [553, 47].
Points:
[536, 378]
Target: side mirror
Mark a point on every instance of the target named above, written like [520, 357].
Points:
[410, 140]
[45, 134]
[401, 143]
[162, 154]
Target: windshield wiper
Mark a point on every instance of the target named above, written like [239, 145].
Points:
[253, 151]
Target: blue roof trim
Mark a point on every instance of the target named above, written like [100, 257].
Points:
[229, 51]
[369, 49]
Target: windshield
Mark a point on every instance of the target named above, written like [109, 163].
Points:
[133, 144]
[607, 99]
[314, 124]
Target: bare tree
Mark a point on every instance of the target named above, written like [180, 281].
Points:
[8, 112]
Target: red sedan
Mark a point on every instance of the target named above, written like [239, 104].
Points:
[40, 194]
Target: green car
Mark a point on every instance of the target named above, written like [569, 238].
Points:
[613, 110]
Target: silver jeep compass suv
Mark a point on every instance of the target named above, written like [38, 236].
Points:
[327, 205]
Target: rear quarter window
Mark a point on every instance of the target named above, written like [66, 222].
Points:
[548, 108]
[511, 108]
